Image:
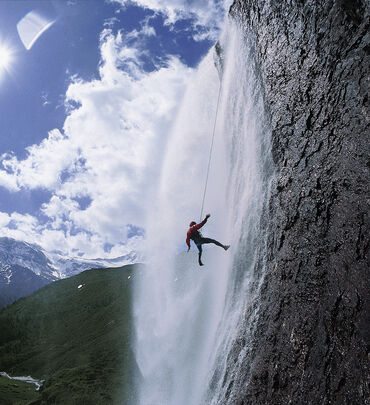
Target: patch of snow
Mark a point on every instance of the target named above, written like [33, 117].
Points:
[57, 274]
[6, 271]
[9, 276]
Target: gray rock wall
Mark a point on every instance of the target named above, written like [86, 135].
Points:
[312, 338]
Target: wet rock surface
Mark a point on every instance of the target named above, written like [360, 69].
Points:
[311, 337]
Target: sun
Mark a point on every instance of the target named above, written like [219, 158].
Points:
[5, 57]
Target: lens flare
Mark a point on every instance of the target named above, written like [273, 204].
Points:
[31, 27]
[5, 57]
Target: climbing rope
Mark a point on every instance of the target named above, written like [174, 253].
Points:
[210, 152]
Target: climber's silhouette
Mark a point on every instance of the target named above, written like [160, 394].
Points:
[197, 238]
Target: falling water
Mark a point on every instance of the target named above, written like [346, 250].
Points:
[186, 316]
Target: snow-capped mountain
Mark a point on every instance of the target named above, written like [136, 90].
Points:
[68, 266]
[26, 267]
[52, 266]
[32, 257]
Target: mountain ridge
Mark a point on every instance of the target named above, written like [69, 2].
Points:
[19, 258]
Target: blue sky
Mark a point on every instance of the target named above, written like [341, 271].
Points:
[85, 115]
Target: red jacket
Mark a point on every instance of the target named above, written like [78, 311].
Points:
[193, 231]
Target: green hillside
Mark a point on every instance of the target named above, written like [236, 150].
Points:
[17, 392]
[76, 339]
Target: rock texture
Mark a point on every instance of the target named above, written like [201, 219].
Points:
[311, 340]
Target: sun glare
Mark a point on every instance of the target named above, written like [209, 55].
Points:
[5, 57]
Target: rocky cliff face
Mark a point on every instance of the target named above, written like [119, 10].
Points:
[310, 344]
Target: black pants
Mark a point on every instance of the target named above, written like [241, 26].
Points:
[201, 241]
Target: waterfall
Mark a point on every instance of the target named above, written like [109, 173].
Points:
[186, 316]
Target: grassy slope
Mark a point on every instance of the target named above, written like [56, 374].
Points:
[16, 392]
[78, 340]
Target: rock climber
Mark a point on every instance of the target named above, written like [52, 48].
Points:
[197, 238]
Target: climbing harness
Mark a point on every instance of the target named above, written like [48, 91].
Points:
[210, 151]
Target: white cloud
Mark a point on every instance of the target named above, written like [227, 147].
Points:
[43, 165]
[207, 14]
[18, 226]
[27, 228]
[45, 98]
[109, 150]
[7, 180]
[146, 31]
[4, 219]
[59, 209]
